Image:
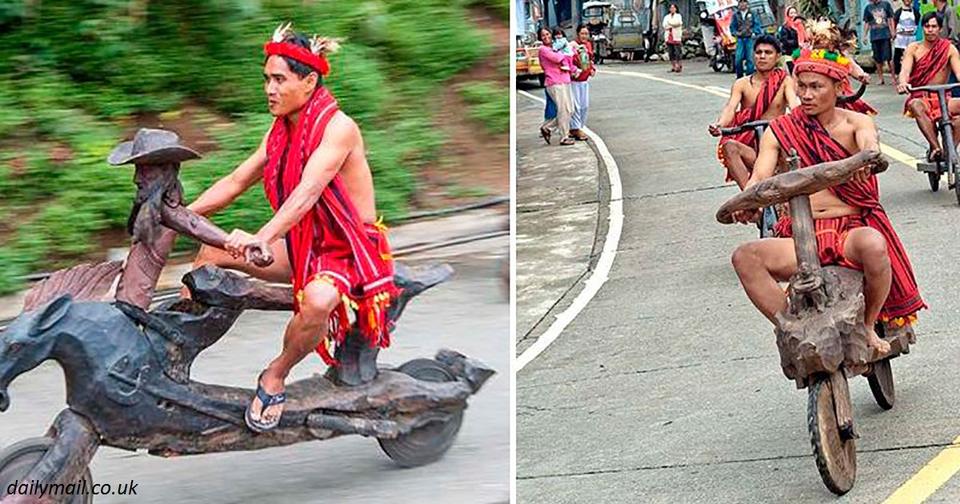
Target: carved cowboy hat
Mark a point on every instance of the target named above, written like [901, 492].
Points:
[152, 146]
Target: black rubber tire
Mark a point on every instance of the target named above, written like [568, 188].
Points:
[428, 443]
[17, 459]
[542, 79]
[956, 183]
[934, 179]
[881, 384]
[836, 458]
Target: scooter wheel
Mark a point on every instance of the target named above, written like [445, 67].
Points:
[18, 459]
[428, 443]
[934, 181]
[956, 185]
[836, 457]
[881, 384]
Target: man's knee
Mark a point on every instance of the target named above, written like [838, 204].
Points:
[319, 300]
[731, 150]
[953, 106]
[745, 258]
[918, 109]
[871, 248]
[207, 255]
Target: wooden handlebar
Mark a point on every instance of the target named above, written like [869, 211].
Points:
[781, 188]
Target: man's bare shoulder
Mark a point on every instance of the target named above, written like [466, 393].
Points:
[741, 83]
[342, 128]
[854, 118]
[787, 82]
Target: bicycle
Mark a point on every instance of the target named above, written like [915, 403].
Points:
[950, 162]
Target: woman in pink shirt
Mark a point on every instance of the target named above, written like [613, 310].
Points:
[558, 86]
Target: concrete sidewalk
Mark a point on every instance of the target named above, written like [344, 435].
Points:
[415, 238]
[558, 210]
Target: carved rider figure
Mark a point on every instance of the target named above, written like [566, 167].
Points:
[158, 212]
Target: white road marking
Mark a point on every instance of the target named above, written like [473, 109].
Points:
[604, 264]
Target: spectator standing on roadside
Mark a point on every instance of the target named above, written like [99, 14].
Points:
[878, 27]
[742, 26]
[673, 35]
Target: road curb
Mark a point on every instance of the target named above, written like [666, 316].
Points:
[577, 284]
[565, 308]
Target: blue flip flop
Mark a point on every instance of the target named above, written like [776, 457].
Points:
[266, 400]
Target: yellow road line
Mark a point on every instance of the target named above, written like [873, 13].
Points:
[891, 152]
[939, 470]
[898, 155]
[931, 477]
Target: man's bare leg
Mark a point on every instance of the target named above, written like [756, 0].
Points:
[953, 107]
[739, 160]
[760, 264]
[955, 121]
[301, 337]
[919, 110]
[278, 272]
[867, 247]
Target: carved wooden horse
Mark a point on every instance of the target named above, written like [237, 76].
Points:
[128, 382]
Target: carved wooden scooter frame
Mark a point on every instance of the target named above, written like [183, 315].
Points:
[820, 336]
[128, 370]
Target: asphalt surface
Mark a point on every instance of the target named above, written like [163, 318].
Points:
[667, 386]
[469, 314]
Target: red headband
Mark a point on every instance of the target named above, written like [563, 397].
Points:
[301, 54]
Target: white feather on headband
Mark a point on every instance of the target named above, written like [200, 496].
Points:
[281, 32]
[823, 34]
[318, 45]
[324, 45]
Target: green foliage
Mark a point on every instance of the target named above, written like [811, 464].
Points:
[76, 74]
[499, 7]
[489, 104]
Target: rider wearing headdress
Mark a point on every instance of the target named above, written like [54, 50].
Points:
[324, 234]
[825, 35]
[851, 227]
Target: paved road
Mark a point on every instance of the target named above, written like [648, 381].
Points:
[470, 314]
[667, 387]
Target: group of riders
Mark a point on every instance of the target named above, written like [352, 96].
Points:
[812, 112]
